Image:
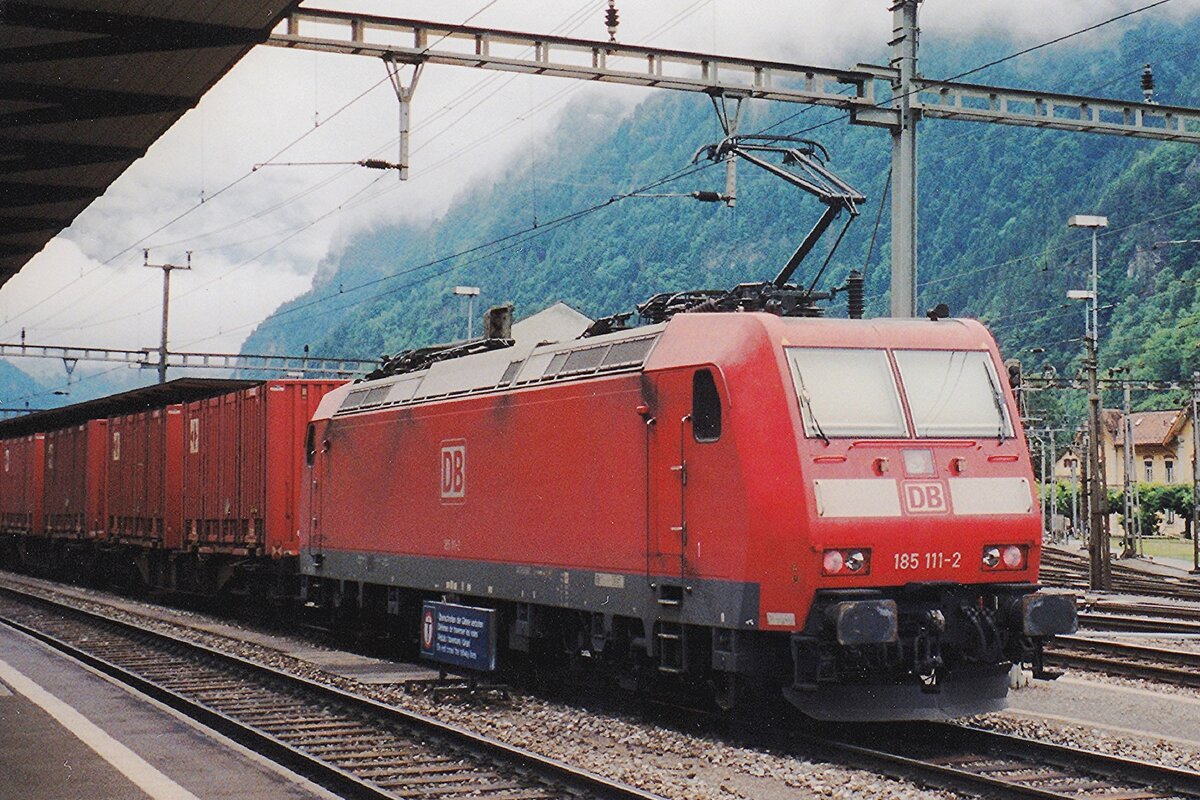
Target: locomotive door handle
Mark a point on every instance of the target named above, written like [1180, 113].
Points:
[681, 467]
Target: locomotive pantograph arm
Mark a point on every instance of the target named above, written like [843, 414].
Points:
[808, 172]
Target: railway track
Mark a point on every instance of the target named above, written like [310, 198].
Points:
[360, 748]
[1109, 614]
[997, 765]
[1130, 660]
[357, 748]
[1070, 570]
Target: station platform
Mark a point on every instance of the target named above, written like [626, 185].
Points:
[68, 732]
[1119, 709]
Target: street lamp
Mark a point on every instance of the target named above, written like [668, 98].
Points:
[1099, 577]
[469, 292]
[1095, 223]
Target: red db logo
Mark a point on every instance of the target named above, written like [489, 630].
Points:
[925, 498]
[454, 471]
[427, 630]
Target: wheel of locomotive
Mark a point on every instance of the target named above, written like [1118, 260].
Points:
[727, 690]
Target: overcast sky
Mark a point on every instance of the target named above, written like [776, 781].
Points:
[258, 243]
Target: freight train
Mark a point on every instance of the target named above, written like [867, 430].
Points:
[841, 511]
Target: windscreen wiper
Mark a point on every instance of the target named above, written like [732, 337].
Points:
[998, 399]
[807, 401]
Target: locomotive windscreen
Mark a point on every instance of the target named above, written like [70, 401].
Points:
[853, 392]
[953, 393]
[847, 392]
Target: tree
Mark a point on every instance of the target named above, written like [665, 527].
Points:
[1178, 498]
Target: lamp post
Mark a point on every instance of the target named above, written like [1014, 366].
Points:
[469, 292]
[1100, 558]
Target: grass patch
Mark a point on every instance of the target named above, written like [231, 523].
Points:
[1168, 548]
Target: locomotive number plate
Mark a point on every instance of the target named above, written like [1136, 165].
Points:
[928, 560]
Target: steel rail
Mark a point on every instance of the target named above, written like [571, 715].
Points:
[1138, 624]
[1002, 765]
[1130, 660]
[1062, 568]
[548, 771]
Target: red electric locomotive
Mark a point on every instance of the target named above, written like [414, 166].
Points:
[839, 509]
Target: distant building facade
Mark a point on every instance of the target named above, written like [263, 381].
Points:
[1163, 451]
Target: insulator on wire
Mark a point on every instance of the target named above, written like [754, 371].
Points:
[377, 163]
[611, 20]
[855, 295]
[1148, 84]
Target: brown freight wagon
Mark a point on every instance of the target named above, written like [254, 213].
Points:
[21, 484]
[75, 480]
[145, 478]
[243, 468]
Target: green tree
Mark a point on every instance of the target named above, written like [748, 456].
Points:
[1178, 498]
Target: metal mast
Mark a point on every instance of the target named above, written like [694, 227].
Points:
[166, 306]
[905, 34]
[914, 97]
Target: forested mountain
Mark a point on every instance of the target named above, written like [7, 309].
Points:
[993, 240]
[20, 389]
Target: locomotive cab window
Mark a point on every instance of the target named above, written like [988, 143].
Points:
[846, 392]
[310, 445]
[706, 407]
[953, 393]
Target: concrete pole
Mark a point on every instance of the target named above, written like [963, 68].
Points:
[1045, 489]
[1129, 507]
[1097, 531]
[1075, 492]
[1095, 289]
[1196, 472]
[905, 34]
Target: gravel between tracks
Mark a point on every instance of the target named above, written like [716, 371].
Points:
[1136, 683]
[1158, 751]
[667, 762]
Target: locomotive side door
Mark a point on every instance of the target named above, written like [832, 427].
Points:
[312, 520]
[666, 476]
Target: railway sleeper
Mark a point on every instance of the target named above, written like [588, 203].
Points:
[350, 758]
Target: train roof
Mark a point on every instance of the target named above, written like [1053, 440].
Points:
[159, 395]
[685, 339]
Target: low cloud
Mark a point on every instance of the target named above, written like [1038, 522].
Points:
[260, 233]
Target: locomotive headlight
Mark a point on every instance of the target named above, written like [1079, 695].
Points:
[991, 557]
[855, 561]
[1013, 557]
[1005, 556]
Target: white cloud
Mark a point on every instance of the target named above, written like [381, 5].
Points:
[258, 242]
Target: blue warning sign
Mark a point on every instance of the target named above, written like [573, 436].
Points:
[462, 636]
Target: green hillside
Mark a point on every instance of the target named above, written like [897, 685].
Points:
[993, 242]
[17, 389]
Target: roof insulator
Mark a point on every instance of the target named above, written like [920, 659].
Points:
[611, 20]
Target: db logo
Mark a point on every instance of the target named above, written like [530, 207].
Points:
[427, 630]
[454, 471]
[925, 498]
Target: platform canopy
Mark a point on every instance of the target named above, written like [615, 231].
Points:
[156, 395]
[86, 86]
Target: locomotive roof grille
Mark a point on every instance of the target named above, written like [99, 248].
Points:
[549, 365]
